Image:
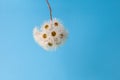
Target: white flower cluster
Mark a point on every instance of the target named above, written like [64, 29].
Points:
[51, 35]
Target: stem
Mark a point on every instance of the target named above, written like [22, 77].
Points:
[49, 7]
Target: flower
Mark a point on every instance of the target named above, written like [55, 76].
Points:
[51, 34]
[45, 26]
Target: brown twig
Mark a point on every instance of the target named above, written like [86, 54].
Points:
[49, 9]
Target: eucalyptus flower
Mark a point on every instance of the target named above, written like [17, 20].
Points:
[51, 34]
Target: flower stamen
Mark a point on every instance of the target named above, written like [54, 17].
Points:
[44, 35]
[46, 26]
[61, 35]
[53, 33]
[56, 24]
[50, 44]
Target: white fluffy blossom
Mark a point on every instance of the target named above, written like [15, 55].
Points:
[50, 35]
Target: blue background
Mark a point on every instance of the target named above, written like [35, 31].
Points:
[91, 52]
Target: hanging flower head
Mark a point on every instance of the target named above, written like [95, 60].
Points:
[51, 34]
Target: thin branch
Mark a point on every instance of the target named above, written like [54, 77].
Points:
[49, 9]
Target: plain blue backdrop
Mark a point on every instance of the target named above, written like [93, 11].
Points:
[91, 52]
